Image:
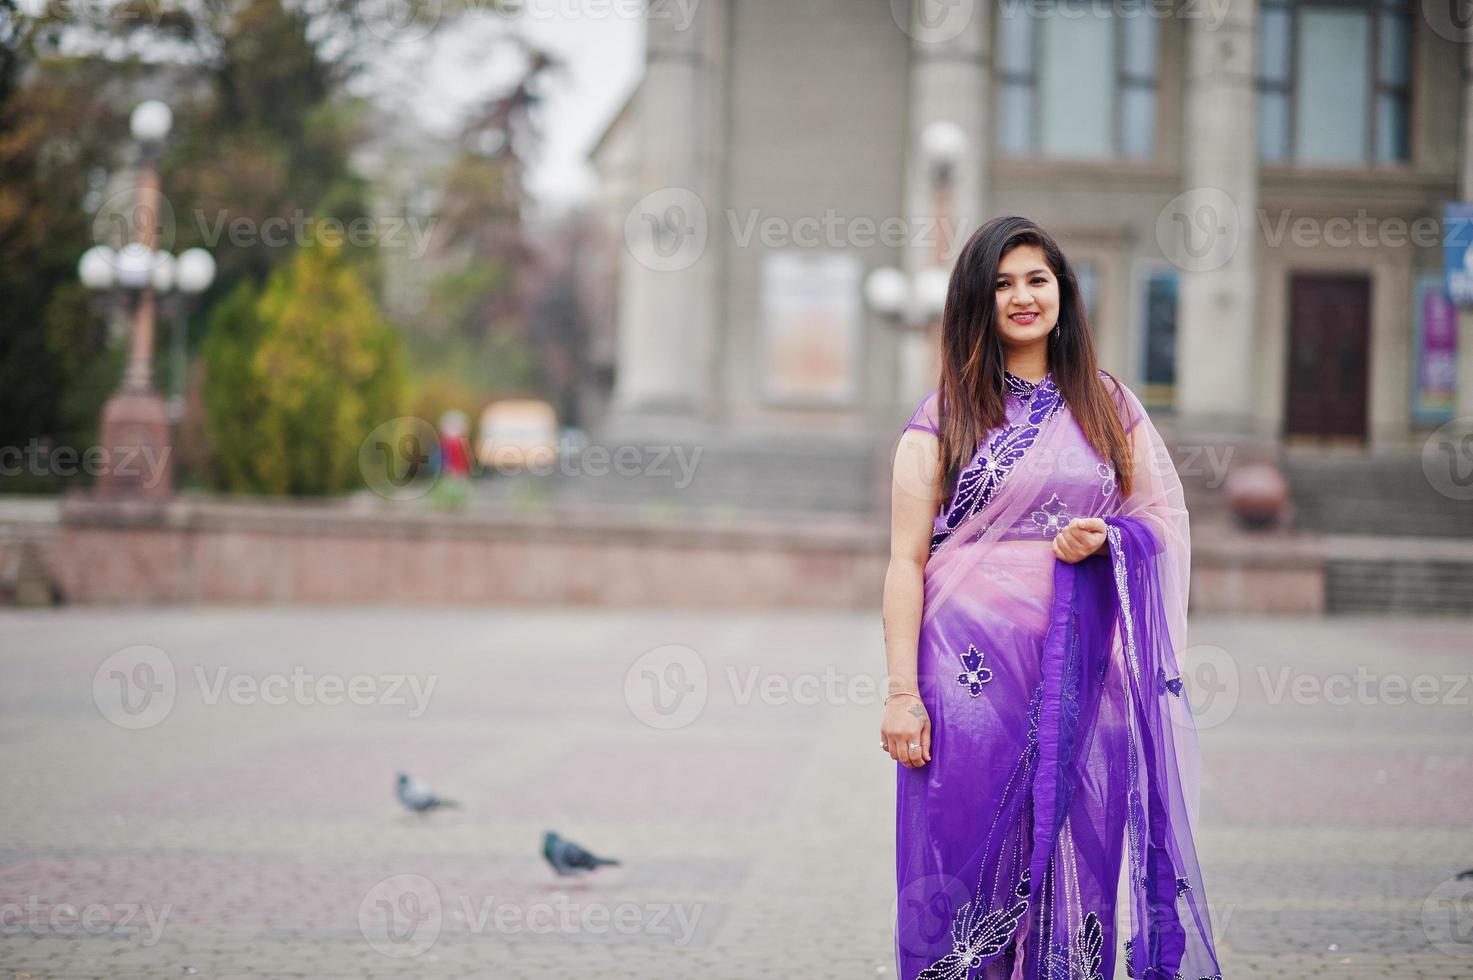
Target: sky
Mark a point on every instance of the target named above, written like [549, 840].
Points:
[438, 78]
[434, 76]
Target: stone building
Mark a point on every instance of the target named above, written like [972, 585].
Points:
[1252, 191]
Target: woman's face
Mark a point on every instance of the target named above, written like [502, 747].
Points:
[1027, 297]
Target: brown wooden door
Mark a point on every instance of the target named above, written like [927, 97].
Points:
[1329, 355]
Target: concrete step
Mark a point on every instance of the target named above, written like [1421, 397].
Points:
[1384, 493]
[1408, 574]
[1400, 586]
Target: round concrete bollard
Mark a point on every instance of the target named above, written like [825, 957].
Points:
[1257, 494]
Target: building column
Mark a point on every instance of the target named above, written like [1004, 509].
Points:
[671, 260]
[1464, 404]
[949, 81]
[1210, 231]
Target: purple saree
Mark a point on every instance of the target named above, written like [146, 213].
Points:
[1061, 746]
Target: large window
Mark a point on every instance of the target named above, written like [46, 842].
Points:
[1158, 337]
[1074, 82]
[1334, 81]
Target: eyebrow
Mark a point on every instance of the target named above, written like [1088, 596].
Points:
[1030, 272]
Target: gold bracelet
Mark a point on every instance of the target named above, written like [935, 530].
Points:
[908, 694]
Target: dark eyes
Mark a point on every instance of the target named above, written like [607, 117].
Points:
[1035, 281]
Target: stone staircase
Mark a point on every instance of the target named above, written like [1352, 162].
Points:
[1396, 544]
[1401, 585]
[1381, 493]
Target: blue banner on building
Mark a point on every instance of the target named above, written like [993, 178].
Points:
[1457, 252]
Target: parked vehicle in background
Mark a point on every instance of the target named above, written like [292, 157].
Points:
[517, 434]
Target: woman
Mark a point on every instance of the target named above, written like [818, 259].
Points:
[1032, 628]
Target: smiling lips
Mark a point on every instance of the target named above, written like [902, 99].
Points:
[1023, 318]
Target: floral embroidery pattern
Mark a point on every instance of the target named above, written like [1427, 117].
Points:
[980, 480]
[1107, 478]
[1052, 518]
[1112, 534]
[975, 675]
[1019, 387]
[1035, 706]
[1083, 960]
[977, 937]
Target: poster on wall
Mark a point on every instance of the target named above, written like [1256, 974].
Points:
[1434, 390]
[1457, 252]
[811, 321]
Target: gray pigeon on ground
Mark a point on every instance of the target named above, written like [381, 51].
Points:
[568, 858]
[416, 796]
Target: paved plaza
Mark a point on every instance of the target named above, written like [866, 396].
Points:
[209, 793]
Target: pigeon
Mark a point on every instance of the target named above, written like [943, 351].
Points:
[568, 858]
[416, 796]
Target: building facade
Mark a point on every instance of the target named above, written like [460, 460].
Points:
[1251, 192]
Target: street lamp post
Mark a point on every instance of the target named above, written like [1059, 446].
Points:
[134, 432]
[944, 145]
[190, 274]
[914, 303]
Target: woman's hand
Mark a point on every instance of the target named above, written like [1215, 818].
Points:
[1083, 537]
[906, 724]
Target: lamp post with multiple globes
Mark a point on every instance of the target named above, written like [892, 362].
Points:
[134, 434]
[916, 302]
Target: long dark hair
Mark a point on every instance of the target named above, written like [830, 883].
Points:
[972, 361]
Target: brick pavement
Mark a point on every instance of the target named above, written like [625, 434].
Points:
[728, 758]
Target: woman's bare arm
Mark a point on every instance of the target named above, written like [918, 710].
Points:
[914, 498]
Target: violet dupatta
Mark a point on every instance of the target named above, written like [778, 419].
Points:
[1063, 752]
